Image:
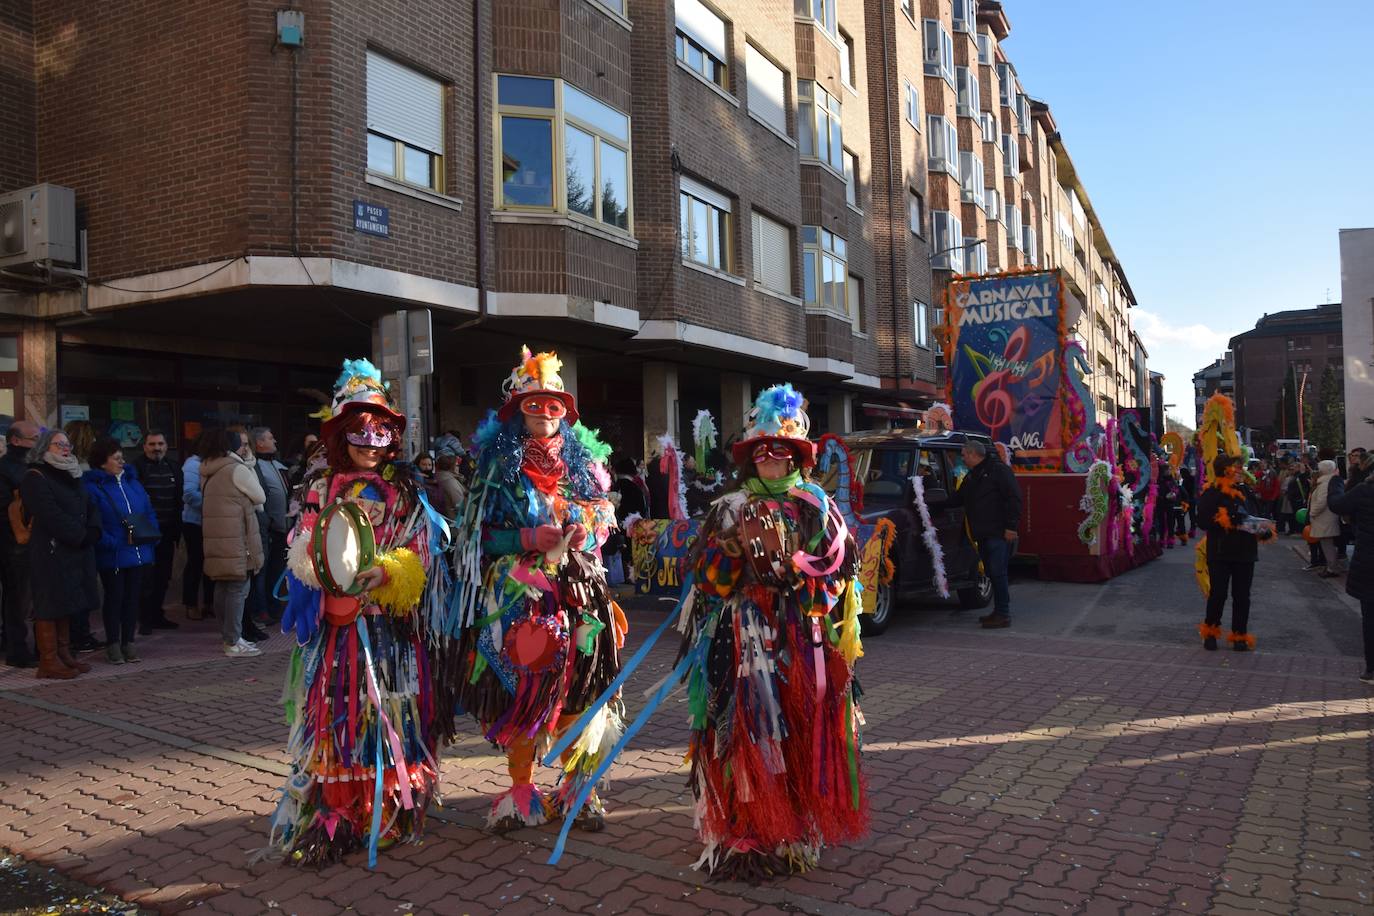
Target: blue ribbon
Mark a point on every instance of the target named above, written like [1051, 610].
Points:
[659, 696]
[583, 720]
[439, 534]
[377, 741]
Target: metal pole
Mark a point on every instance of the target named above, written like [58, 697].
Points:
[1302, 432]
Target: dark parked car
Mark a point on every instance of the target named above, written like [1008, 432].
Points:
[885, 462]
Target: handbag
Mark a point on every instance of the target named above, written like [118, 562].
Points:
[138, 528]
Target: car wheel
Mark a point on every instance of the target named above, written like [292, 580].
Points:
[976, 596]
[874, 624]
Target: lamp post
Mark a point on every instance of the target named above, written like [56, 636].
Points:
[1302, 431]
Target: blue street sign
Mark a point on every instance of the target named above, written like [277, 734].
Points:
[372, 219]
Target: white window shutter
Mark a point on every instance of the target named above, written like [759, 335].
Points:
[404, 104]
[694, 18]
[772, 254]
[767, 89]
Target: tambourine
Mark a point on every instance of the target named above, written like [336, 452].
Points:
[764, 537]
[343, 546]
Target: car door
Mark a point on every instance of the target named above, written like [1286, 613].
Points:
[887, 494]
[949, 521]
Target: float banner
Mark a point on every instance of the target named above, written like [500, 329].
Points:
[1003, 346]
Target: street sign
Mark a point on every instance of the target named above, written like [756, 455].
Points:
[394, 345]
[372, 219]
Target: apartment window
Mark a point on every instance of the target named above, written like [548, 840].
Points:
[847, 66]
[909, 7]
[822, 11]
[947, 240]
[920, 323]
[985, 49]
[1101, 294]
[965, 18]
[856, 305]
[701, 40]
[939, 50]
[1023, 113]
[1064, 228]
[975, 255]
[987, 121]
[915, 213]
[1004, 86]
[704, 216]
[615, 5]
[562, 150]
[1011, 156]
[405, 123]
[992, 202]
[772, 254]
[971, 178]
[824, 270]
[912, 106]
[966, 81]
[819, 121]
[1028, 242]
[942, 144]
[851, 179]
[1012, 217]
[1080, 216]
[767, 89]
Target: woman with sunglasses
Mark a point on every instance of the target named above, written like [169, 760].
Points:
[540, 637]
[773, 635]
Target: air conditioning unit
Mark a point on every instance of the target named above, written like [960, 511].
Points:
[38, 224]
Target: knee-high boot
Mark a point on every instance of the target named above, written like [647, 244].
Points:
[49, 665]
[64, 646]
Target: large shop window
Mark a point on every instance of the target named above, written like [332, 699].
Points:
[819, 120]
[825, 270]
[405, 123]
[562, 150]
[772, 254]
[767, 89]
[701, 40]
[704, 216]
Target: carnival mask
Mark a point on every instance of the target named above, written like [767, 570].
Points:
[371, 433]
[547, 406]
[777, 451]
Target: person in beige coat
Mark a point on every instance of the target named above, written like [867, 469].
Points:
[1326, 525]
[232, 541]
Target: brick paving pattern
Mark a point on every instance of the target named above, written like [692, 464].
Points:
[1008, 773]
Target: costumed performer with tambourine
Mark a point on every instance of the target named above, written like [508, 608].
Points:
[358, 696]
[772, 631]
[539, 636]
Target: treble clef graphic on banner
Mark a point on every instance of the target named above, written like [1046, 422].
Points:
[992, 402]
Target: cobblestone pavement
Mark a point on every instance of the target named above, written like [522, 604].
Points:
[1009, 771]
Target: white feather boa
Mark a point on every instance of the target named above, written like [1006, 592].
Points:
[931, 538]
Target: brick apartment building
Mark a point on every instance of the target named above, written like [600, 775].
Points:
[689, 200]
[1298, 342]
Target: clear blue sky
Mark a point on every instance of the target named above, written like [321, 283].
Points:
[1222, 144]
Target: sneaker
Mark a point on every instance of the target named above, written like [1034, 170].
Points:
[113, 655]
[242, 649]
[127, 650]
[255, 635]
[89, 644]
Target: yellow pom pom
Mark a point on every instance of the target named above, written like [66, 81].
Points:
[851, 644]
[405, 581]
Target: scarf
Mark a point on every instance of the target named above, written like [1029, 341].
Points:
[543, 463]
[757, 486]
[66, 463]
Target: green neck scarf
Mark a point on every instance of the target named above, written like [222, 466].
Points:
[757, 486]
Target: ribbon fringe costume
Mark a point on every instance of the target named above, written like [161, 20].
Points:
[773, 702]
[538, 634]
[358, 695]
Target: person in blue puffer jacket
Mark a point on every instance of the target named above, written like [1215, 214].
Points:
[118, 495]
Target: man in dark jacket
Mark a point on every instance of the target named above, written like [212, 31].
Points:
[14, 557]
[991, 499]
[1357, 503]
[162, 481]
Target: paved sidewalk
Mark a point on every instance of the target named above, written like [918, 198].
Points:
[1009, 772]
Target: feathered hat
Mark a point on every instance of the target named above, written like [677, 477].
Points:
[536, 373]
[359, 387]
[778, 415]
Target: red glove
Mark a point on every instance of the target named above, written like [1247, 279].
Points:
[541, 539]
[579, 535]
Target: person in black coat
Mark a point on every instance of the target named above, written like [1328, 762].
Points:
[1357, 503]
[66, 528]
[1232, 551]
[991, 499]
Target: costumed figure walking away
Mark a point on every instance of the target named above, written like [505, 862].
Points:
[538, 637]
[1231, 544]
[772, 634]
[364, 561]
